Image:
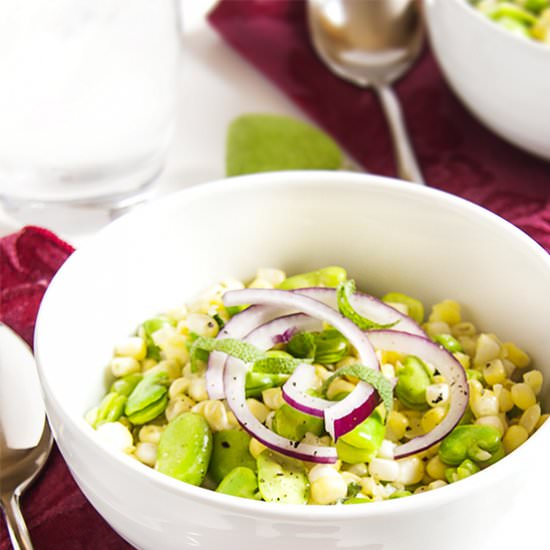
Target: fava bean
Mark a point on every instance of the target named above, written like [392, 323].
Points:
[415, 307]
[257, 382]
[126, 384]
[400, 494]
[185, 448]
[148, 399]
[448, 342]
[282, 479]
[240, 482]
[412, 382]
[477, 442]
[357, 500]
[110, 409]
[362, 443]
[293, 424]
[230, 449]
[329, 276]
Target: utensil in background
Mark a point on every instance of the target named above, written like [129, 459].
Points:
[371, 43]
[25, 436]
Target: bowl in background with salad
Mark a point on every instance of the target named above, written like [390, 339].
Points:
[495, 55]
[338, 418]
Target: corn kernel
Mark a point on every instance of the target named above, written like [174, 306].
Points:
[178, 406]
[504, 396]
[203, 325]
[463, 359]
[116, 436]
[260, 283]
[197, 389]
[388, 357]
[133, 346]
[437, 394]
[516, 355]
[543, 418]
[487, 349]
[432, 418]
[530, 418]
[258, 409]
[464, 328]
[514, 437]
[349, 477]
[384, 469]
[535, 379]
[146, 453]
[271, 275]
[447, 311]
[386, 449]
[121, 366]
[178, 387]
[273, 398]
[338, 386]
[327, 486]
[434, 328]
[468, 344]
[411, 470]
[360, 470]
[486, 404]
[148, 364]
[436, 484]
[175, 348]
[396, 425]
[494, 372]
[256, 448]
[436, 468]
[150, 434]
[523, 396]
[388, 370]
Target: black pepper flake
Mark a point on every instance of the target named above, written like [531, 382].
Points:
[225, 444]
[438, 399]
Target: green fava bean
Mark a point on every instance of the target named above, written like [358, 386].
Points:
[448, 342]
[329, 276]
[330, 347]
[185, 448]
[362, 443]
[282, 479]
[477, 442]
[400, 494]
[229, 450]
[415, 307]
[293, 424]
[240, 482]
[110, 409]
[413, 379]
[357, 500]
[147, 398]
[257, 382]
[126, 384]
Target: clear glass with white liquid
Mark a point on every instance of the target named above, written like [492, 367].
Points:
[87, 97]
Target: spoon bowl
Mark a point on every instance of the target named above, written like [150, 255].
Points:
[372, 43]
[21, 456]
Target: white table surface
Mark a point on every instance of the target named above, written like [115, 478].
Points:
[216, 86]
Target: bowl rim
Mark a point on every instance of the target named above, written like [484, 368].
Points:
[476, 14]
[296, 512]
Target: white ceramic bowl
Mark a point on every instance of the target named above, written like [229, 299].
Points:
[391, 236]
[503, 79]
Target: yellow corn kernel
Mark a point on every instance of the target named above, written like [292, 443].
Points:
[256, 448]
[468, 344]
[432, 418]
[389, 356]
[447, 311]
[397, 424]
[273, 398]
[271, 275]
[504, 397]
[258, 409]
[339, 386]
[535, 379]
[514, 437]
[509, 367]
[197, 389]
[516, 355]
[411, 470]
[543, 418]
[523, 395]
[384, 469]
[435, 468]
[464, 328]
[437, 394]
[146, 453]
[530, 418]
[487, 349]
[322, 373]
[494, 372]
[171, 367]
[388, 370]
[132, 346]
[178, 406]
[486, 404]
[350, 477]
[178, 387]
[476, 388]
[150, 433]
[436, 484]
[327, 485]
[494, 421]
[463, 359]
[148, 364]
[175, 348]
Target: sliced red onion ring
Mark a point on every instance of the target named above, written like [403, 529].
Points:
[367, 306]
[235, 381]
[446, 364]
[360, 403]
[295, 392]
[237, 327]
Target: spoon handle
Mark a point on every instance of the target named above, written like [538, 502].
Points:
[407, 165]
[17, 528]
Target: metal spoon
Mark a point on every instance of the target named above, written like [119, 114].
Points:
[25, 436]
[372, 43]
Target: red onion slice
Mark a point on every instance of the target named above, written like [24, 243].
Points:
[360, 403]
[295, 392]
[235, 380]
[446, 364]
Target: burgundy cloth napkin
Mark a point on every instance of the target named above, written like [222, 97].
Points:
[57, 514]
[456, 152]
